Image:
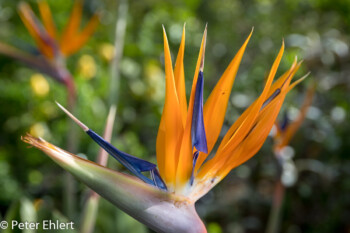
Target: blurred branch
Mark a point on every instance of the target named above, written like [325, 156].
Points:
[91, 207]
[72, 145]
[120, 29]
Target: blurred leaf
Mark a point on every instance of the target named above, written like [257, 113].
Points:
[28, 213]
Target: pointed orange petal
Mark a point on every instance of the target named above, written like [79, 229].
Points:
[184, 167]
[212, 173]
[216, 105]
[46, 16]
[240, 120]
[282, 79]
[248, 122]
[298, 81]
[83, 36]
[256, 138]
[252, 144]
[179, 75]
[72, 26]
[171, 124]
[160, 148]
[242, 126]
[35, 29]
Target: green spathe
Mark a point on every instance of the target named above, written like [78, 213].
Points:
[159, 210]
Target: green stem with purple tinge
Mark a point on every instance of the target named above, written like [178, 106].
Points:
[120, 30]
[69, 192]
[275, 213]
[273, 224]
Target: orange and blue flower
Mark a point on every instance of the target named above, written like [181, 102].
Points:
[186, 136]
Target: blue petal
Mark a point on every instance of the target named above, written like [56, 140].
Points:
[272, 96]
[157, 179]
[133, 164]
[195, 157]
[285, 122]
[199, 139]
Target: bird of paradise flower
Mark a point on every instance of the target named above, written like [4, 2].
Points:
[186, 136]
[52, 47]
[46, 35]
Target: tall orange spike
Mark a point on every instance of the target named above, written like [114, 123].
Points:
[209, 177]
[244, 124]
[247, 124]
[253, 142]
[216, 105]
[46, 16]
[277, 84]
[282, 79]
[34, 28]
[179, 75]
[184, 166]
[83, 36]
[171, 127]
[240, 120]
[298, 81]
[72, 26]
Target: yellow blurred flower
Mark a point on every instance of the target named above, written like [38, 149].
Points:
[155, 81]
[39, 85]
[87, 67]
[39, 129]
[106, 51]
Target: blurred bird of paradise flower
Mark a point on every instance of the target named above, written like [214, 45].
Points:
[50, 44]
[53, 48]
[287, 171]
[186, 136]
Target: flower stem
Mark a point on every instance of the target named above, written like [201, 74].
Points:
[72, 145]
[273, 223]
[120, 29]
[88, 218]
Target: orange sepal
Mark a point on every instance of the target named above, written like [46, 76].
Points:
[80, 38]
[184, 166]
[179, 75]
[170, 128]
[33, 26]
[46, 16]
[216, 105]
[243, 125]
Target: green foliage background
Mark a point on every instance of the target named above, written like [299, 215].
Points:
[316, 31]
